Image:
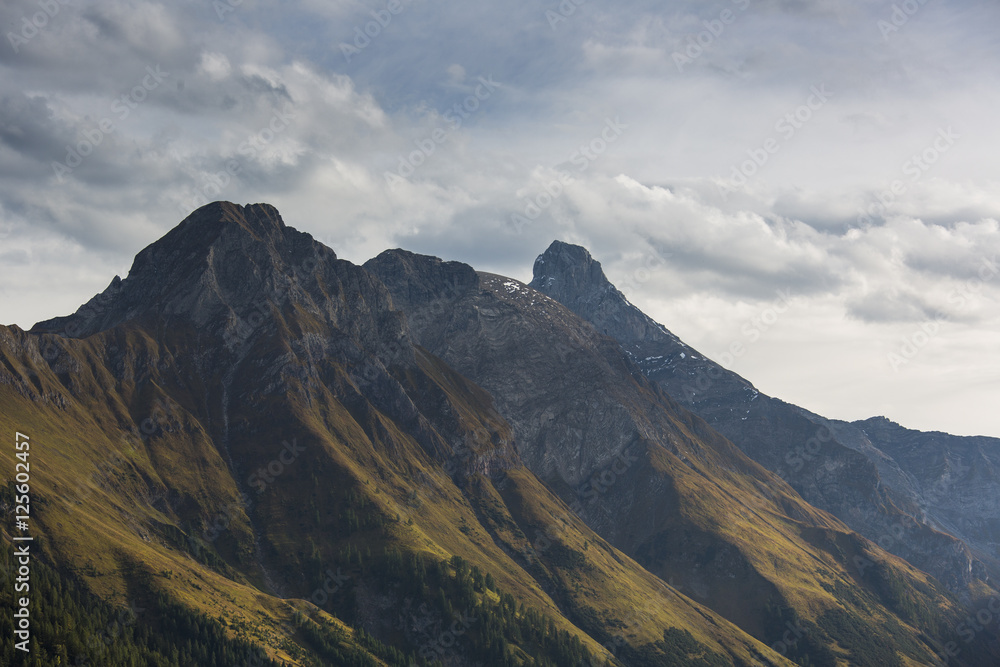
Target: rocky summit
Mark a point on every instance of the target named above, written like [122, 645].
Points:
[251, 452]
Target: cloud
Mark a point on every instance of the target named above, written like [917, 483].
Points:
[261, 104]
[215, 66]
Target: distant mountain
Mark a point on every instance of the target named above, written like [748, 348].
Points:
[952, 480]
[251, 452]
[919, 507]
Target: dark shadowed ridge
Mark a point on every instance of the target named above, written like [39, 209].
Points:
[210, 262]
[569, 274]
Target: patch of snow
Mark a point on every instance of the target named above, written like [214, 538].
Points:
[511, 286]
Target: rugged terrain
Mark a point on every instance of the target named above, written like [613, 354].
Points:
[645, 473]
[933, 504]
[250, 451]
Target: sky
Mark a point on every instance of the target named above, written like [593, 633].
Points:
[814, 184]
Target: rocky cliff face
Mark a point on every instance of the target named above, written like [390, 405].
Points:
[642, 471]
[953, 480]
[833, 466]
[257, 299]
[521, 346]
[235, 273]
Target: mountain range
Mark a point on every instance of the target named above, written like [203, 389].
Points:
[252, 452]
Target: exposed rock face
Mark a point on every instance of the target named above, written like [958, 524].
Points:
[832, 465]
[524, 348]
[258, 299]
[642, 471]
[953, 480]
[265, 413]
[569, 274]
[236, 272]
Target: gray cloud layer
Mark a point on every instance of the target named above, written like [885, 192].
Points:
[684, 143]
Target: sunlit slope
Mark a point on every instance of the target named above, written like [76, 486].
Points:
[306, 478]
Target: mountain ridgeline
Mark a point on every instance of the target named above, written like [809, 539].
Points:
[252, 452]
[930, 498]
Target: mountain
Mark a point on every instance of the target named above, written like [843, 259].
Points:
[911, 505]
[260, 454]
[952, 480]
[252, 452]
[646, 474]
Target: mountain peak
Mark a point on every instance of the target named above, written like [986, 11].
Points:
[203, 227]
[221, 260]
[570, 275]
[879, 423]
[568, 270]
[414, 278]
[261, 220]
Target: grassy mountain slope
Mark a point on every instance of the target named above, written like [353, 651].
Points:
[262, 448]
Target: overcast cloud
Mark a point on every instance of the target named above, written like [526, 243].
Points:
[710, 154]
